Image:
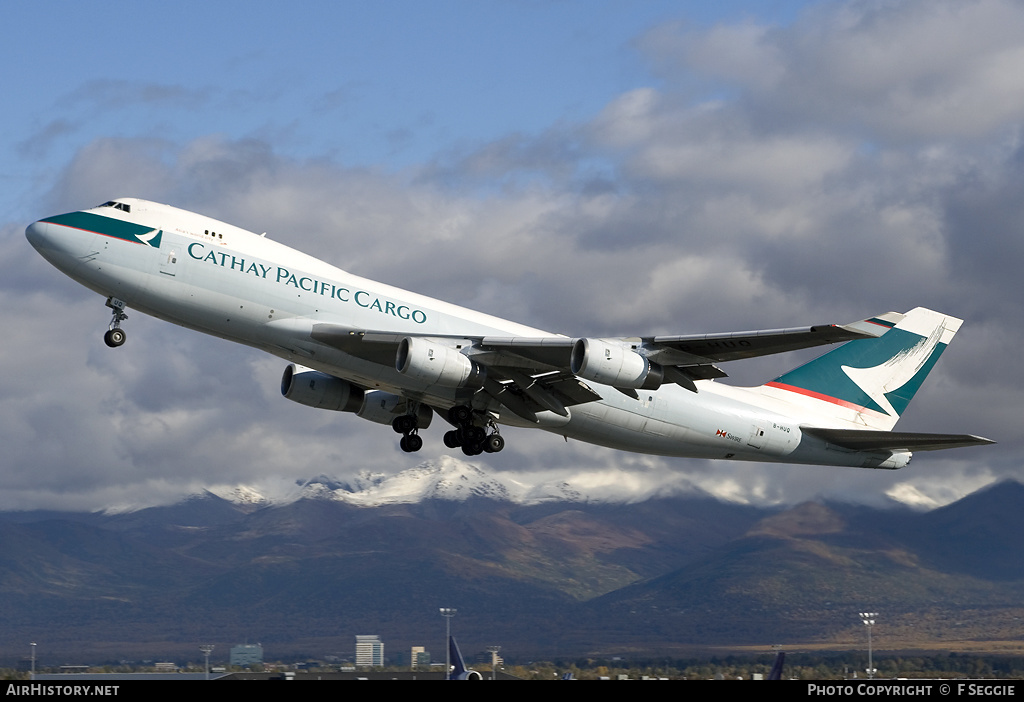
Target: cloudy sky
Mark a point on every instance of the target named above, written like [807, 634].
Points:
[612, 168]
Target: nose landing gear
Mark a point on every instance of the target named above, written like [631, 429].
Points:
[115, 335]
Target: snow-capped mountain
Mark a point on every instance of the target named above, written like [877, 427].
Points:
[443, 478]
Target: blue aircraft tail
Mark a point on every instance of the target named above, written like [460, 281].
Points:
[459, 670]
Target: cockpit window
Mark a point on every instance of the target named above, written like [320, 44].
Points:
[117, 205]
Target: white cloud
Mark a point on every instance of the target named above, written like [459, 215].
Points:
[885, 70]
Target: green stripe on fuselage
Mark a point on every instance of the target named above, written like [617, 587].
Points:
[108, 226]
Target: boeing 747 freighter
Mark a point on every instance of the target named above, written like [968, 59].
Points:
[399, 358]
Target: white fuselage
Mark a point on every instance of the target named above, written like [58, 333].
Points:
[218, 279]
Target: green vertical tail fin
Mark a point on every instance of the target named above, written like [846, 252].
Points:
[871, 381]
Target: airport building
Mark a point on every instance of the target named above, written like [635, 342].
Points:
[246, 654]
[419, 658]
[369, 651]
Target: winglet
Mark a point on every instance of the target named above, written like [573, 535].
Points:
[874, 326]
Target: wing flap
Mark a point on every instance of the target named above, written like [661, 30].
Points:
[570, 389]
[535, 393]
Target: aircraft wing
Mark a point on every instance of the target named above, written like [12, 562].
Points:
[693, 355]
[869, 440]
[749, 344]
[554, 352]
[532, 374]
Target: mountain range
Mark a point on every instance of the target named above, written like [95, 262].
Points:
[540, 572]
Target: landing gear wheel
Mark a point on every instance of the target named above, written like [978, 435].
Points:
[494, 443]
[473, 438]
[451, 439]
[459, 414]
[114, 338]
[403, 424]
[411, 443]
[471, 435]
[408, 426]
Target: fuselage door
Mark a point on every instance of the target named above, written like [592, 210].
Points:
[169, 256]
[756, 437]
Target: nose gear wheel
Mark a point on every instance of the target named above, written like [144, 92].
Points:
[115, 336]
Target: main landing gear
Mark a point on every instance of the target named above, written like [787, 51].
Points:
[406, 425]
[115, 335]
[473, 439]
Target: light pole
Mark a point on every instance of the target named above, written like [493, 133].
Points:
[869, 621]
[207, 649]
[493, 650]
[448, 613]
[33, 645]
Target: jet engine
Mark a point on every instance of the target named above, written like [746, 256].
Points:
[315, 389]
[613, 363]
[467, 675]
[434, 363]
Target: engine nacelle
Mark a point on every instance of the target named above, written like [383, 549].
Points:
[613, 363]
[315, 389]
[382, 407]
[467, 675]
[434, 363]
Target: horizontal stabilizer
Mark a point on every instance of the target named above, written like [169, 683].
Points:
[869, 440]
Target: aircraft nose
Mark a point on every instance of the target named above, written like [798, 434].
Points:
[38, 234]
[63, 246]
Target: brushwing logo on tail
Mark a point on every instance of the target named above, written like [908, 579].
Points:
[883, 382]
[879, 375]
